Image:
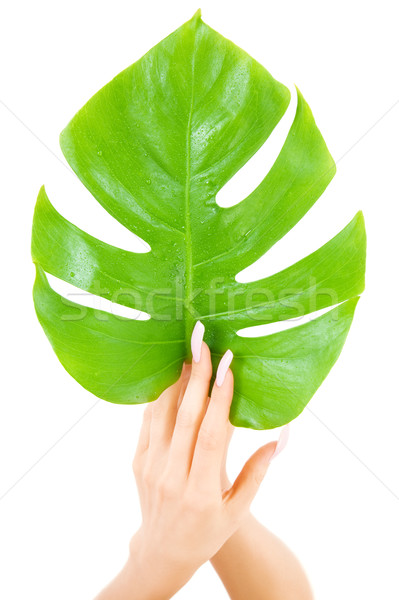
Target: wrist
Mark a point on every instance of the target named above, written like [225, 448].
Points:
[236, 539]
[153, 575]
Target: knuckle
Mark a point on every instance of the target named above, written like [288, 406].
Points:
[198, 502]
[204, 510]
[196, 375]
[185, 418]
[136, 466]
[166, 488]
[208, 440]
[202, 371]
[157, 409]
[147, 476]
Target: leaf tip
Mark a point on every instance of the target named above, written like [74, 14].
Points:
[196, 18]
[41, 193]
[61, 138]
[359, 216]
[360, 225]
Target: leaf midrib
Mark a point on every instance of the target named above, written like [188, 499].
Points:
[188, 288]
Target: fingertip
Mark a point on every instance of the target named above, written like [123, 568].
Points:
[221, 399]
[196, 341]
[205, 352]
[204, 365]
[225, 389]
[267, 451]
[229, 379]
[223, 367]
[281, 442]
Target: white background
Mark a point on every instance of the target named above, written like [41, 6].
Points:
[333, 495]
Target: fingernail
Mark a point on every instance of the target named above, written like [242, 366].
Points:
[223, 367]
[282, 441]
[196, 341]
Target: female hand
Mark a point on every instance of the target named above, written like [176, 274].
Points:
[186, 515]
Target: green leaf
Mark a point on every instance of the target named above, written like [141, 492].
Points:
[154, 147]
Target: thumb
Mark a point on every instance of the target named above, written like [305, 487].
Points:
[253, 472]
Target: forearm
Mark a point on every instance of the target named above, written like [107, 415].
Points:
[125, 586]
[139, 580]
[255, 564]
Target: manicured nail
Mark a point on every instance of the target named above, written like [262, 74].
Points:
[282, 441]
[196, 341]
[223, 367]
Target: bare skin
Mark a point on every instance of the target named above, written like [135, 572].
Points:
[190, 511]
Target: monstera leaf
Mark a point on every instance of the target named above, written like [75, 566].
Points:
[154, 147]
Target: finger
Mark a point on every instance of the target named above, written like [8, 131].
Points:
[163, 416]
[185, 379]
[230, 431]
[191, 411]
[224, 480]
[212, 437]
[245, 487]
[144, 437]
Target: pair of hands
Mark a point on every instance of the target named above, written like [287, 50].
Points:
[189, 508]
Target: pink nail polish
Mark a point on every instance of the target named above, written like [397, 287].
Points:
[223, 367]
[196, 341]
[282, 442]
